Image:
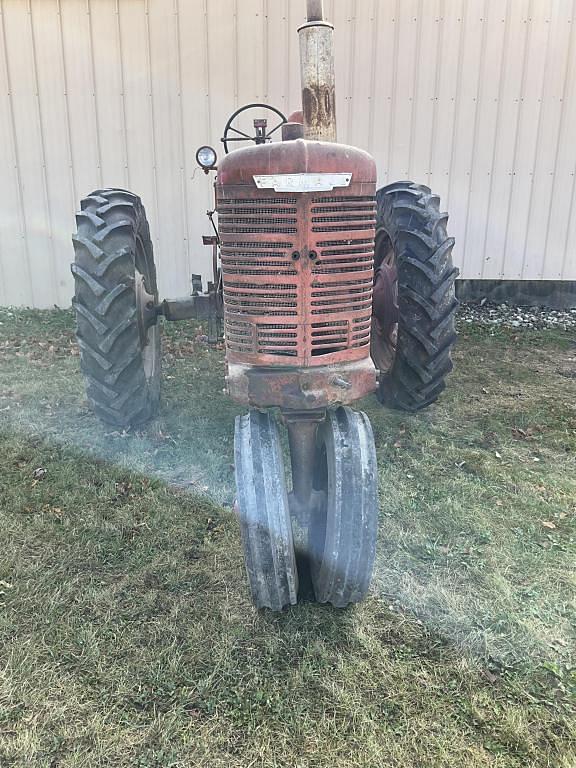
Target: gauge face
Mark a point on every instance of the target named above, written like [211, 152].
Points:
[206, 157]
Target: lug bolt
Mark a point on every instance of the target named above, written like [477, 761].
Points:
[296, 255]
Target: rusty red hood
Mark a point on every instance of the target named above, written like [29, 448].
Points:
[298, 156]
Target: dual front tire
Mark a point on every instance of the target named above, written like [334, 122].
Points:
[340, 542]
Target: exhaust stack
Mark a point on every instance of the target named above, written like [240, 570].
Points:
[317, 75]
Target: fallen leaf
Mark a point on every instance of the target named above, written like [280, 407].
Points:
[549, 524]
[490, 676]
[498, 455]
[499, 503]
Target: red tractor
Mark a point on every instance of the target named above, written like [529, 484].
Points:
[328, 290]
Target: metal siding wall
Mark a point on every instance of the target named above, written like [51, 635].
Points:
[477, 98]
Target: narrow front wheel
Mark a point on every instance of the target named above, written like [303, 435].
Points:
[343, 528]
[263, 511]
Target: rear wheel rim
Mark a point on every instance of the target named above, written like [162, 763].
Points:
[147, 330]
[385, 312]
[146, 299]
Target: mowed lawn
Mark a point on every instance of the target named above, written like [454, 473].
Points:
[127, 637]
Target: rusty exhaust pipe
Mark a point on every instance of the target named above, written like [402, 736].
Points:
[317, 74]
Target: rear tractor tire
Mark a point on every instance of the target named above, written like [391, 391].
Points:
[414, 303]
[115, 293]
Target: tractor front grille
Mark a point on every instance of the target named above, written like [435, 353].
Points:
[281, 310]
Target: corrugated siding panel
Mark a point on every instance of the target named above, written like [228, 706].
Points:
[477, 98]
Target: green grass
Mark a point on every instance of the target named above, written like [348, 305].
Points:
[127, 637]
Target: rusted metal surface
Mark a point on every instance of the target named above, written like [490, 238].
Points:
[296, 157]
[317, 80]
[301, 388]
[296, 117]
[297, 267]
[302, 428]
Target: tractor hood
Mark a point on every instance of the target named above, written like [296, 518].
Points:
[296, 157]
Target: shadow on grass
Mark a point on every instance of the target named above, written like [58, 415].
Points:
[466, 488]
[129, 639]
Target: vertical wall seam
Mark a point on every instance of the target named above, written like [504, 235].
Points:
[569, 55]
[393, 90]
[351, 71]
[536, 148]
[3, 283]
[517, 133]
[572, 192]
[182, 148]
[373, 60]
[73, 189]
[570, 214]
[234, 55]
[265, 52]
[437, 77]
[501, 78]
[152, 119]
[287, 30]
[94, 95]
[40, 123]
[415, 91]
[123, 97]
[456, 114]
[479, 94]
[286, 19]
[16, 156]
[207, 71]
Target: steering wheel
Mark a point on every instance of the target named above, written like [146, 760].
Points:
[260, 126]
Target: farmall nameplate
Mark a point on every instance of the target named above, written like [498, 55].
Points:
[303, 182]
